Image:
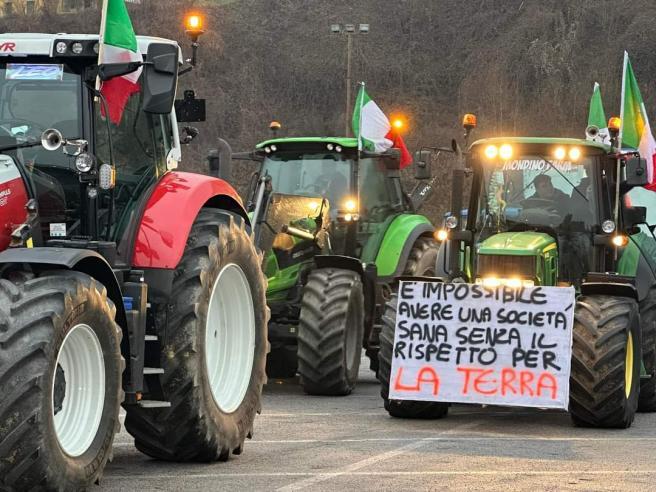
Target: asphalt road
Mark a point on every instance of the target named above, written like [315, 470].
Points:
[320, 443]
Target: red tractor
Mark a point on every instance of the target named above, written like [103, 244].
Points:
[122, 281]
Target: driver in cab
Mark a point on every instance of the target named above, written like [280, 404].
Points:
[545, 191]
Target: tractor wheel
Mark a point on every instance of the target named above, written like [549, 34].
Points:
[422, 259]
[421, 263]
[213, 334]
[330, 332]
[647, 400]
[60, 374]
[400, 408]
[605, 375]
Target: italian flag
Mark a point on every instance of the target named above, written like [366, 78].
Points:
[635, 131]
[597, 116]
[118, 44]
[374, 130]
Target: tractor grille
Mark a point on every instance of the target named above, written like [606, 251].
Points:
[506, 266]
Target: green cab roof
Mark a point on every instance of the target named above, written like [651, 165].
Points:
[343, 141]
[541, 141]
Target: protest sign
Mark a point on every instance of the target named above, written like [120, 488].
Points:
[465, 343]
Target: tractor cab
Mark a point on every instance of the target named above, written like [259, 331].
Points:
[532, 195]
[550, 211]
[361, 195]
[86, 164]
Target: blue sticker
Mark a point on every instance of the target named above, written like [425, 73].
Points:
[19, 71]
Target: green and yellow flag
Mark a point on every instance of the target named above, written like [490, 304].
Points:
[635, 131]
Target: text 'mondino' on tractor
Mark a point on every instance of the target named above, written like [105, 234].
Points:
[566, 213]
[336, 228]
[122, 280]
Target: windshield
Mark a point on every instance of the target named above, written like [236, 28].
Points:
[310, 174]
[34, 97]
[533, 191]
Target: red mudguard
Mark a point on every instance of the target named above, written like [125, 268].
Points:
[169, 215]
[13, 197]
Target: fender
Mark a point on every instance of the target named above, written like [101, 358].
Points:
[609, 285]
[79, 260]
[170, 212]
[399, 239]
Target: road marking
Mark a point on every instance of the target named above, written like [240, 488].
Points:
[354, 467]
[435, 439]
[109, 477]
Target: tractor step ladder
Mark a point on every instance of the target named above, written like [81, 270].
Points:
[154, 404]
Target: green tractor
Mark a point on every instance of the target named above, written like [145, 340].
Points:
[337, 229]
[560, 212]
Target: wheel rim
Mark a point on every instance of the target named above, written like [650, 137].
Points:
[78, 390]
[628, 366]
[230, 338]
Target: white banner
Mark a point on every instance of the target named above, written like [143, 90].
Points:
[464, 343]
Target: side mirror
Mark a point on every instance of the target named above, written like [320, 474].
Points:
[423, 165]
[634, 216]
[220, 161]
[189, 109]
[636, 172]
[160, 78]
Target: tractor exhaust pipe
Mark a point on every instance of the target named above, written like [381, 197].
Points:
[220, 161]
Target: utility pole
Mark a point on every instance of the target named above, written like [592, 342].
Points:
[349, 31]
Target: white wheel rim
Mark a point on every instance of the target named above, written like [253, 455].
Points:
[81, 359]
[230, 338]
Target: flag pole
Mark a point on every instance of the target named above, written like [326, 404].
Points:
[361, 100]
[101, 40]
[624, 67]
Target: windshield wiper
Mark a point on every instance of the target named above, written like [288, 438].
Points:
[20, 146]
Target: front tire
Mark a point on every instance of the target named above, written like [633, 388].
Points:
[213, 335]
[605, 375]
[330, 332]
[60, 374]
[407, 409]
[647, 400]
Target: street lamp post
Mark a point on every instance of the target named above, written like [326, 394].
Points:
[349, 30]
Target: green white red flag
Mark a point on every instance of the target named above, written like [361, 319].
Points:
[635, 131]
[374, 130]
[118, 44]
[597, 116]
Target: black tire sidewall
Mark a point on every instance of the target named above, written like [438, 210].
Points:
[354, 332]
[86, 307]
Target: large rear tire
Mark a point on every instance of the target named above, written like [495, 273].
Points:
[330, 332]
[647, 400]
[605, 375]
[421, 263]
[407, 409]
[60, 374]
[213, 334]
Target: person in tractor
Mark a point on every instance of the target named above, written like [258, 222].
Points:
[544, 190]
[331, 183]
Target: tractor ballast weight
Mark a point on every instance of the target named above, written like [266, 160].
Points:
[326, 296]
[556, 212]
[122, 281]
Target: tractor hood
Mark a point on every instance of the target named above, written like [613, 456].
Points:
[517, 244]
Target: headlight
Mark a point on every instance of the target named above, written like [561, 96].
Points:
[560, 153]
[350, 205]
[514, 282]
[84, 162]
[574, 153]
[77, 48]
[620, 240]
[441, 235]
[608, 226]
[505, 151]
[106, 177]
[61, 48]
[451, 222]
[491, 151]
